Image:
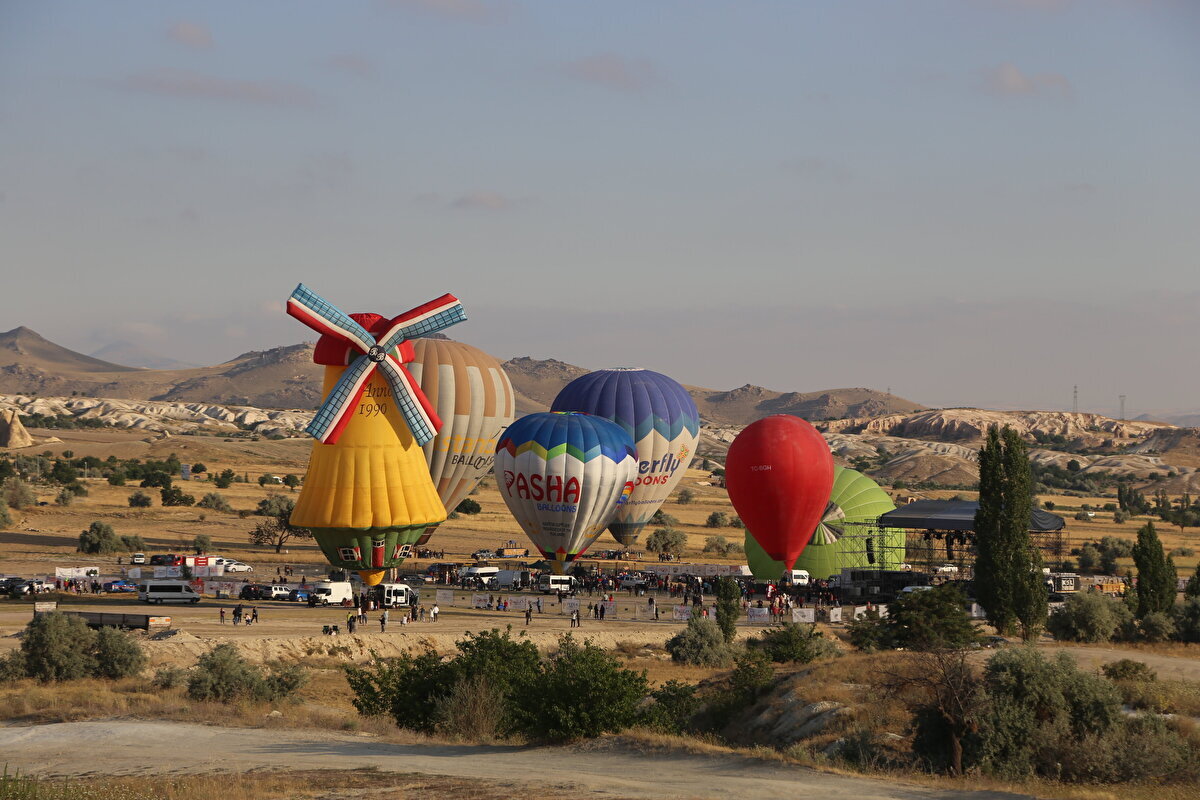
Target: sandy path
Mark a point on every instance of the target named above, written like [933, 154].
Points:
[137, 747]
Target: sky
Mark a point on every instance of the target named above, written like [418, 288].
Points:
[967, 202]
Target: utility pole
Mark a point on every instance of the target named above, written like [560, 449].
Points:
[1122, 407]
[1075, 399]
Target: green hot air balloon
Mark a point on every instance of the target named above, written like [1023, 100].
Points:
[855, 499]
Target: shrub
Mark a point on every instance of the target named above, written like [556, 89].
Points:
[100, 539]
[1126, 669]
[1083, 516]
[869, 633]
[736, 522]
[116, 479]
[18, 494]
[800, 644]
[64, 497]
[5, 517]
[685, 497]
[581, 691]
[225, 479]
[717, 519]
[202, 543]
[156, 480]
[663, 518]
[215, 502]
[473, 709]
[729, 607]
[1157, 626]
[118, 655]
[1089, 617]
[169, 678]
[12, 666]
[57, 647]
[132, 544]
[174, 496]
[666, 540]
[224, 676]
[932, 619]
[700, 644]
[672, 708]
[139, 500]
[275, 505]
[1187, 620]
[468, 506]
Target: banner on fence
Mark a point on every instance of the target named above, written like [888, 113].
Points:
[45, 607]
[758, 616]
[445, 597]
[67, 573]
[227, 588]
[835, 614]
[807, 615]
[479, 601]
[860, 611]
[133, 573]
[570, 604]
[610, 608]
[517, 603]
[681, 613]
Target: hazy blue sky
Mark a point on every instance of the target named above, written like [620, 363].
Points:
[970, 201]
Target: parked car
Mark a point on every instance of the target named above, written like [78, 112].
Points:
[29, 587]
[947, 569]
[137, 558]
[232, 565]
[254, 591]
[121, 585]
[479, 555]
[278, 591]
[298, 595]
[9, 584]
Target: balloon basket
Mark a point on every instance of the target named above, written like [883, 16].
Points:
[372, 577]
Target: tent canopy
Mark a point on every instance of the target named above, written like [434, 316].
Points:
[955, 515]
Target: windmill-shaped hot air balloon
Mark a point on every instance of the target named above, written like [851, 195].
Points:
[368, 496]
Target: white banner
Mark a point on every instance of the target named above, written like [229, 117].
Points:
[977, 611]
[835, 614]
[479, 600]
[758, 616]
[445, 597]
[168, 572]
[518, 603]
[610, 608]
[681, 613]
[67, 573]
[133, 573]
[806, 615]
[860, 611]
[570, 604]
[229, 588]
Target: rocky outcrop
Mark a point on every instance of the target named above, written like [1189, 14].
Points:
[971, 425]
[12, 433]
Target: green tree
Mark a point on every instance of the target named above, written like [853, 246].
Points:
[700, 643]
[100, 539]
[685, 496]
[1192, 588]
[929, 620]
[666, 540]
[18, 494]
[729, 606]
[277, 530]
[291, 481]
[1089, 617]
[118, 655]
[139, 500]
[202, 543]
[1157, 577]
[717, 519]
[174, 496]
[198, 468]
[1008, 576]
[468, 506]
[214, 501]
[57, 647]
[224, 479]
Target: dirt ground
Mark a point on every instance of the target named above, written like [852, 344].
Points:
[154, 748]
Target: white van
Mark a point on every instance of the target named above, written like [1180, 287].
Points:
[513, 578]
[332, 593]
[486, 576]
[552, 584]
[167, 592]
[391, 595]
[796, 577]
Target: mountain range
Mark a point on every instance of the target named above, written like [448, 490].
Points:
[285, 377]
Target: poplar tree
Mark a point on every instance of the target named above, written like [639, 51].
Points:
[1156, 574]
[1008, 569]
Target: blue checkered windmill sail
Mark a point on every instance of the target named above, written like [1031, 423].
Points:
[374, 354]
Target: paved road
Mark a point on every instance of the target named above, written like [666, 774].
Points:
[142, 748]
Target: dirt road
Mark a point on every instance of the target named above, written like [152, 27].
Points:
[146, 748]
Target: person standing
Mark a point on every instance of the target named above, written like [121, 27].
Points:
[528, 615]
[222, 615]
[254, 614]
[383, 621]
[434, 612]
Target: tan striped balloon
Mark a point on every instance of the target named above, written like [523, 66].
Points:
[474, 398]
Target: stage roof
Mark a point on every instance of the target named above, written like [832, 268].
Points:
[955, 515]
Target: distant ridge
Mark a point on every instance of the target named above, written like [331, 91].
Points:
[135, 355]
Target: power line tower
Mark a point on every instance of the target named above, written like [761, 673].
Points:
[1075, 399]
[1122, 406]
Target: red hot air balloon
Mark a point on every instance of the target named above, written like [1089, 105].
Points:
[779, 473]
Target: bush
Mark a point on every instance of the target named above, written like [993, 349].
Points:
[1126, 669]
[139, 500]
[156, 480]
[99, 539]
[685, 497]
[215, 502]
[701, 643]
[1157, 626]
[795, 643]
[275, 505]
[666, 540]
[174, 496]
[1083, 516]
[581, 691]
[222, 675]
[116, 479]
[169, 678]
[132, 544]
[717, 519]
[202, 543]
[736, 522]
[663, 518]
[869, 633]
[474, 709]
[118, 655]
[1089, 617]
[12, 666]
[5, 518]
[672, 708]
[57, 647]
[64, 497]
[225, 479]
[1187, 620]
[18, 494]
[931, 619]
[729, 607]
[468, 506]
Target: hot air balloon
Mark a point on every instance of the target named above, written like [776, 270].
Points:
[855, 499]
[661, 418]
[474, 399]
[368, 496]
[779, 473]
[563, 476]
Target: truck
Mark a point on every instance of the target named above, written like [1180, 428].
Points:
[394, 595]
[100, 619]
